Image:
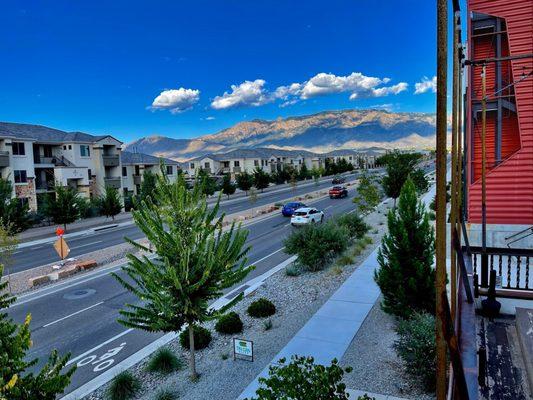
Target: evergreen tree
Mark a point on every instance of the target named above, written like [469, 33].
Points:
[62, 205]
[147, 185]
[13, 214]
[420, 181]
[315, 173]
[399, 167]
[194, 261]
[110, 204]
[367, 196]
[207, 183]
[228, 187]
[293, 181]
[16, 382]
[304, 172]
[261, 179]
[244, 182]
[406, 276]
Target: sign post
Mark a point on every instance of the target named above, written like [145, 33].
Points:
[243, 349]
[60, 245]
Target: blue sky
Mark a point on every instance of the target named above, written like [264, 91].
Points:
[99, 67]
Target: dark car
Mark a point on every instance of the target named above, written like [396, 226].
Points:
[338, 180]
[338, 192]
[289, 208]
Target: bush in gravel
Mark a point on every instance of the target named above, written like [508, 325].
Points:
[164, 361]
[229, 323]
[416, 347]
[345, 260]
[124, 386]
[261, 308]
[202, 338]
[293, 270]
[355, 225]
[166, 394]
[366, 397]
[302, 379]
[267, 325]
[316, 245]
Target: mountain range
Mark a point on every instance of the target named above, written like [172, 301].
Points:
[322, 132]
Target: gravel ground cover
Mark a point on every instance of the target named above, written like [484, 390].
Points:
[296, 300]
[376, 367]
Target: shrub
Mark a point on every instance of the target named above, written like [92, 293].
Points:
[164, 361]
[267, 325]
[355, 225]
[416, 347]
[316, 245]
[202, 338]
[345, 260]
[293, 270]
[336, 270]
[366, 397]
[229, 323]
[124, 386]
[302, 379]
[166, 394]
[261, 308]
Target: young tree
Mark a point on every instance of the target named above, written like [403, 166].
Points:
[110, 204]
[244, 182]
[399, 167]
[419, 179]
[16, 380]
[304, 172]
[62, 205]
[207, 183]
[261, 179]
[228, 187]
[368, 196]
[294, 182]
[195, 260]
[252, 198]
[406, 276]
[315, 173]
[13, 214]
[147, 185]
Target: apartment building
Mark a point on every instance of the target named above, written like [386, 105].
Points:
[36, 158]
[134, 165]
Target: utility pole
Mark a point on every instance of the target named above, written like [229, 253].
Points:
[484, 256]
[440, 241]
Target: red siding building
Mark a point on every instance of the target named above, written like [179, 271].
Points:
[499, 29]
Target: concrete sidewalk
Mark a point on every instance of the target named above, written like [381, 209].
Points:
[330, 331]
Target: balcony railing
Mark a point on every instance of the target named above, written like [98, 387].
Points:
[113, 182]
[111, 160]
[4, 159]
[137, 179]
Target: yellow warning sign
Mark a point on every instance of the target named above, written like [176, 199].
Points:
[61, 247]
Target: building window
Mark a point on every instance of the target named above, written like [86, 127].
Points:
[18, 149]
[23, 201]
[256, 163]
[84, 150]
[236, 163]
[124, 171]
[70, 147]
[137, 170]
[89, 173]
[64, 147]
[192, 165]
[170, 170]
[207, 166]
[20, 176]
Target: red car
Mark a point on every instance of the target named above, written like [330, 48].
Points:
[338, 192]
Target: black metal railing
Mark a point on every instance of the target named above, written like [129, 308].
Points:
[511, 266]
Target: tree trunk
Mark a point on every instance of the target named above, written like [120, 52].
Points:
[192, 361]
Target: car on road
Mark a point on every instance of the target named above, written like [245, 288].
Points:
[289, 208]
[338, 180]
[337, 192]
[307, 215]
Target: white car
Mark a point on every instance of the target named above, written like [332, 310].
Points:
[306, 215]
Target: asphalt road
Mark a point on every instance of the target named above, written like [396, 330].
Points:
[42, 254]
[79, 316]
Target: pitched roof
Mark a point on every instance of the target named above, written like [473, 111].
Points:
[41, 133]
[127, 157]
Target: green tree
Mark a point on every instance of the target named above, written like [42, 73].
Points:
[315, 173]
[419, 179]
[261, 179]
[252, 198]
[110, 203]
[302, 379]
[62, 206]
[228, 187]
[13, 214]
[406, 276]
[304, 172]
[147, 185]
[16, 381]
[367, 197]
[399, 167]
[207, 183]
[244, 181]
[194, 261]
[293, 182]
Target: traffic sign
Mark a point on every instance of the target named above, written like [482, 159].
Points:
[61, 247]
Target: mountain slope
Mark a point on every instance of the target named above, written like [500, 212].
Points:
[318, 132]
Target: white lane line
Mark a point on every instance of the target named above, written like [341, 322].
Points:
[87, 244]
[265, 257]
[36, 248]
[73, 360]
[71, 315]
[328, 207]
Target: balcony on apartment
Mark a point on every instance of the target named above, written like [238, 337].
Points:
[4, 159]
[113, 182]
[111, 160]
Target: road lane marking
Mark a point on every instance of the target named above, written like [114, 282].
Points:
[267, 256]
[82, 355]
[87, 244]
[71, 315]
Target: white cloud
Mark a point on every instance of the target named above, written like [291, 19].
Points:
[210, 118]
[426, 85]
[248, 93]
[176, 100]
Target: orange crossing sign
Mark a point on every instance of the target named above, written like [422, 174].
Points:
[61, 247]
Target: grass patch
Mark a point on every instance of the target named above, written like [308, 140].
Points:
[293, 270]
[345, 260]
[164, 361]
[166, 394]
[267, 325]
[336, 270]
[124, 386]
